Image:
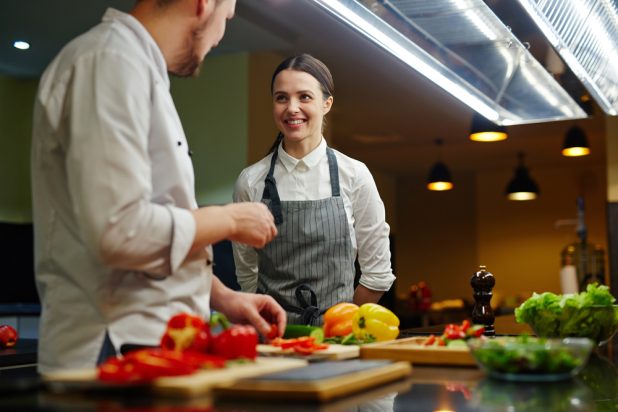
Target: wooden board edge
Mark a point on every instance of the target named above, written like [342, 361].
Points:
[421, 357]
[323, 390]
[200, 384]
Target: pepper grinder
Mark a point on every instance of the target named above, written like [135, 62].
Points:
[483, 282]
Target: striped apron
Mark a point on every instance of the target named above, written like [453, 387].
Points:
[309, 266]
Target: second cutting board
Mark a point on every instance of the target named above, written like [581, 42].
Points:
[412, 350]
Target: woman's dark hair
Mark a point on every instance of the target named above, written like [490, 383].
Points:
[308, 64]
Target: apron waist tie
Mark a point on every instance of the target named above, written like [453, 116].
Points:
[309, 311]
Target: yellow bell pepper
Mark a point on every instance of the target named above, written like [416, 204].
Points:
[338, 319]
[375, 321]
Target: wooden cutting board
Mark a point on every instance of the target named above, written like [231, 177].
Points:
[413, 351]
[187, 386]
[320, 381]
[334, 351]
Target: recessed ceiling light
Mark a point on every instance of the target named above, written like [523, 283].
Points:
[21, 45]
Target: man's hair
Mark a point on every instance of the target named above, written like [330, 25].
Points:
[164, 3]
[160, 3]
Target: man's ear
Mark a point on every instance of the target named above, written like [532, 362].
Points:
[200, 7]
[328, 103]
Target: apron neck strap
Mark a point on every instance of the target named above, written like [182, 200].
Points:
[271, 192]
[270, 184]
[334, 172]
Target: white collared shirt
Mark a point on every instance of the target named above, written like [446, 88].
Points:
[112, 191]
[309, 179]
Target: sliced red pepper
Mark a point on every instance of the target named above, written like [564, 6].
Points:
[303, 345]
[452, 332]
[148, 364]
[117, 371]
[430, 340]
[475, 331]
[154, 363]
[465, 325]
[273, 332]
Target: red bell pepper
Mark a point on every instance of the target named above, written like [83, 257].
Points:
[186, 332]
[8, 336]
[234, 341]
[147, 364]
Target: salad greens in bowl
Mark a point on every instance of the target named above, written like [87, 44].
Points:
[525, 358]
[588, 314]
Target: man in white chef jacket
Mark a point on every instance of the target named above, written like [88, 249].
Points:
[120, 243]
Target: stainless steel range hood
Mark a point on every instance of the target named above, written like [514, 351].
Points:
[463, 47]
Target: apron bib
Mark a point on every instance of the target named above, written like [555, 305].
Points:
[309, 266]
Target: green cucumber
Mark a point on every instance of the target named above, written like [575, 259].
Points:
[456, 343]
[296, 331]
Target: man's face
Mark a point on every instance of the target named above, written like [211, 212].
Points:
[205, 36]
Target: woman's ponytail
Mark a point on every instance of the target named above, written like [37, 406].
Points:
[276, 143]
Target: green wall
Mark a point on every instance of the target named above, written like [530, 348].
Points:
[16, 103]
[213, 109]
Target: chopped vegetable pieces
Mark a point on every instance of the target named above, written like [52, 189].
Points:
[303, 345]
[455, 335]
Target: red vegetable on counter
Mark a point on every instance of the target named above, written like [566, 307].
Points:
[186, 332]
[234, 341]
[303, 345]
[8, 336]
[453, 332]
[273, 332]
[147, 364]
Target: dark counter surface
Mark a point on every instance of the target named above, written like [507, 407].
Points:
[427, 389]
[23, 353]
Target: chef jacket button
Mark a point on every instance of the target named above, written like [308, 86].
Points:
[179, 143]
[190, 153]
[113, 219]
[208, 262]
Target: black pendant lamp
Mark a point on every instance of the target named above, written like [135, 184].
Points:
[522, 187]
[575, 143]
[439, 178]
[484, 130]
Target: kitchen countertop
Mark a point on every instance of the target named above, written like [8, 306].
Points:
[23, 353]
[427, 389]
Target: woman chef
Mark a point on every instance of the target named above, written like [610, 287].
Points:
[326, 206]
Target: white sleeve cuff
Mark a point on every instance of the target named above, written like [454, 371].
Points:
[182, 236]
[381, 282]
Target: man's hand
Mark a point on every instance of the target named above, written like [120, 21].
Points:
[253, 223]
[250, 223]
[258, 310]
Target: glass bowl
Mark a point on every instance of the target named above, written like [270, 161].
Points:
[598, 323]
[531, 359]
